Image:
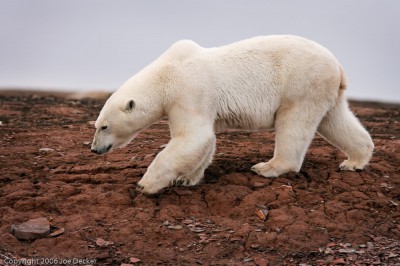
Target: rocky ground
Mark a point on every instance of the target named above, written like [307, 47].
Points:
[320, 216]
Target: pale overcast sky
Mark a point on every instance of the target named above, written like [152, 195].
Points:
[98, 44]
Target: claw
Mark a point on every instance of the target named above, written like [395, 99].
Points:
[179, 182]
[139, 187]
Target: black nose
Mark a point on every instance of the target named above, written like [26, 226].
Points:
[94, 151]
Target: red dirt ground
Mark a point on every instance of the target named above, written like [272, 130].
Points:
[320, 216]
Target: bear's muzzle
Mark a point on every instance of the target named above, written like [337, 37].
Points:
[101, 150]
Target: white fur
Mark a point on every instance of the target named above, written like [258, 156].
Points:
[284, 82]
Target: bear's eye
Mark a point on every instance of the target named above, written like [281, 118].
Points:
[103, 127]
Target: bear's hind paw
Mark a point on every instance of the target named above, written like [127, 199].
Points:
[348, 165]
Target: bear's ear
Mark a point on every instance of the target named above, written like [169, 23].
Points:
[129, 105]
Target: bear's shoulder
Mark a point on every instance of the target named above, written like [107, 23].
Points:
[183, 49]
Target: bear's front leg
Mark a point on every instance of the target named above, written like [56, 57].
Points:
[195, 177]
[182, 156]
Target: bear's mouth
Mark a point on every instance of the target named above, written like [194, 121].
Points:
[102, 150]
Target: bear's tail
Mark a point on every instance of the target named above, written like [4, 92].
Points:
[343, 82]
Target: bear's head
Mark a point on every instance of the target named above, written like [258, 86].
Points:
[120, 120]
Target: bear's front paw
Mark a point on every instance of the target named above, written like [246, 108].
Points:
[265, 169]
[180, 181]
[188, 180]
[147, 187]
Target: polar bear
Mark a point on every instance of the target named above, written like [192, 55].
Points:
[286, 83]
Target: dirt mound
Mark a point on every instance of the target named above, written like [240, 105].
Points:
[319, 216]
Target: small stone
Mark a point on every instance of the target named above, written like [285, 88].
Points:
[346, 250]
[86, 143]
[328, 251]
[248, 259]
[103, 243]
[203, 239]
[197, 229]
[380, 195]
[57, 232]
[163, 146]
[362, 246]
[46, 150]
[175, 227]
[92, 123]
[254, 246]
[338, 261]
[148, 155]
[370, 246]
[258, 184]
[235, 239]
[103, 256]
[329, 258]
[260, 261]
[134, 260]
[262, 214]
[32, 229]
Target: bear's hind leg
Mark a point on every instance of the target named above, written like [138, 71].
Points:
[343, 130]
[295, 127]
